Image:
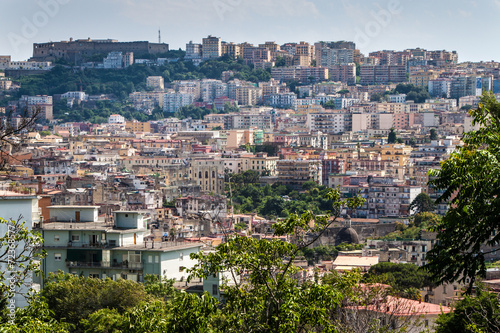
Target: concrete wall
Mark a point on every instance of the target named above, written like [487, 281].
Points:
[129, 220]
[87, 214]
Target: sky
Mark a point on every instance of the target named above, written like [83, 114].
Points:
[469, 27]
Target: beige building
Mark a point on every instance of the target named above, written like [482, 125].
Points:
[237, 138]
[208, 173]
[296, 172]
[232, 50]
[421, 79]
[155, 82]
[136, 126]
[211, 47]
[260, 163]
[248, 95]
[5, 84]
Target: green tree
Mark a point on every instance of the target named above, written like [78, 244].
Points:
[272, 299]
[36, 317]
[21, 255]
[470, 180]
[401, 277]
[422, 203]
[392, 136]
[472, 314]
[75, 298]
[433, 134]
[426, 220]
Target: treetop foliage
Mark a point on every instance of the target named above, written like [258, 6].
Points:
[470, 180]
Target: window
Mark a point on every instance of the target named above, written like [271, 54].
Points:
[94, 275]
[75, 238]
[56, 238]
[150, 259]
[157, 259]
[215, 289]
[57, 257]
[112, 242]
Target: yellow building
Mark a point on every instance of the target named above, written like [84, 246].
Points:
[260, 162]
[136, 126]
[236, 138]
[421, 79]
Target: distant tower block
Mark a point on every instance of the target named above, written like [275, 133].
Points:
[159, 36]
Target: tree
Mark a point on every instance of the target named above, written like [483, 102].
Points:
[470, 181]
[433, 134]
[392, 136]
[74, 298]
[426, 220]
[20, 256]
[473, 313]
[10, 132]
[272, 297]
[422, 203]
[401, 277]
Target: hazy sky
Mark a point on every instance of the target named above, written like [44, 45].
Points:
[469, 27]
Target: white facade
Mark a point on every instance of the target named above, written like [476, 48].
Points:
[78, 95]
[17, 206]
[113, 60]
[172, 102]
[400, 98]
[116, 119]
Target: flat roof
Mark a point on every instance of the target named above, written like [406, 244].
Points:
[79, 207]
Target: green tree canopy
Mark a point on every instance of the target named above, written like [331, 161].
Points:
[422, 203]
[470, 181]
[400, 276]
[472, 314]
[392, 136]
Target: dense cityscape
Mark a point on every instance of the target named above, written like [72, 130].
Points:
[227, 186]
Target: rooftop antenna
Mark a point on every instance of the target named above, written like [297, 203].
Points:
[159, 36]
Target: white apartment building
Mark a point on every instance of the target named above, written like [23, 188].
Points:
[116, 119]
[211, 89]
[400, 98]
[172, 101]
[113, 60]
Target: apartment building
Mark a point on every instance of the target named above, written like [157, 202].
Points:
[188, 87]
[256, 55]
[137, 127]
[155, 82]
[329, 122]
[382, 74]
[296, 172]
[211, 89]
[422, 78]
[78, 242]
[172, 101]
[440, 87]
[208, 173]
[211, 47]
[37, 103]
[300, 73]
[345, 73]
[248, 95]
[260, 162]
[384, 196]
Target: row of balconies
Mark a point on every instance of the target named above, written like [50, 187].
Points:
[106, 264]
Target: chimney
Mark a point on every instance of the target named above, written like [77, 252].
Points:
[40, 189]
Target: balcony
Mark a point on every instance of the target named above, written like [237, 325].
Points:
[106, 265]
[86, 245]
